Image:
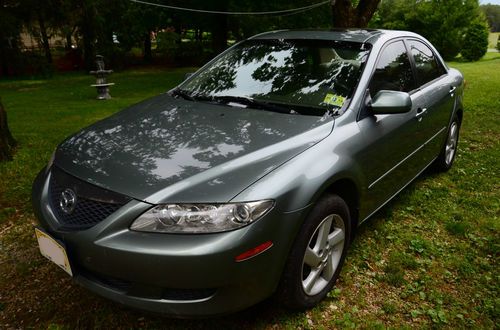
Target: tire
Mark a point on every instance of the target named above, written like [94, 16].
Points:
[447, 154]
[308, 277]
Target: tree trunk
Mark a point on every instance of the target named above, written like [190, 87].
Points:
[148, 55]
[344, 15]
[69, 41]
[219, 34]
[89, 34]
[220, 27]
[7, 142]
[45, 38]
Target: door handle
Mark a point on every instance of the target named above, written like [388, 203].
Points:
[452, 90]
[420, 113]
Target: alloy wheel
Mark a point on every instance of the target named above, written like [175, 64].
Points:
[451, 143]
[323, 254]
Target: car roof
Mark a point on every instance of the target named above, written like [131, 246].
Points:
[370, 36]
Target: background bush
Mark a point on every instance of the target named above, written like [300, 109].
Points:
[443, 23]
[475, 43]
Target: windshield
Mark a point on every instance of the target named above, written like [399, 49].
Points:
[308, 76]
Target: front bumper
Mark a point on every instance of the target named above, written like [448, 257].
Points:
[176, 274]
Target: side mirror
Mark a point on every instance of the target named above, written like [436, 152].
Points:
[188, 75]
[389, 102]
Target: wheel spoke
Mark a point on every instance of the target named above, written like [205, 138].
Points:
[453, 131]
[323, 232]
[336, 237]
[311, 280]
[311, 258]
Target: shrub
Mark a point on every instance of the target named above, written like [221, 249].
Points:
[167, 42]
[475, 43]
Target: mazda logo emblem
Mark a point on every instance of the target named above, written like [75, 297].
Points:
[67, 201]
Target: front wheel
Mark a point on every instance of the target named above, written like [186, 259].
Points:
[448, 152]
[317, 255]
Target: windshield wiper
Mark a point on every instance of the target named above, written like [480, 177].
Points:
[182, 93]
[250, 102]
[257, 104]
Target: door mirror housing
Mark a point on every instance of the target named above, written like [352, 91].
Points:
[390, 102]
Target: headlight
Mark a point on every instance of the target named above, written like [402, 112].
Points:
[200, 218]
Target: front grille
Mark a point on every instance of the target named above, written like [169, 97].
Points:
[93, 204]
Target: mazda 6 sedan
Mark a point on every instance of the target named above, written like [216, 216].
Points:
[249, 179]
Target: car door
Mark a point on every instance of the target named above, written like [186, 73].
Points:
[434, 82]
[390, 158]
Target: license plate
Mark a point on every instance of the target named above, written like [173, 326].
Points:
[52, 250]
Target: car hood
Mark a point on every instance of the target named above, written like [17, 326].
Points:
[171, 150]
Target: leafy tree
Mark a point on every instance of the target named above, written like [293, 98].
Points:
[349, 13]
[137, 24]
[475, 41]
[42, 18]
[10, 29]
[492, 13]
[443, 22]
[246, 26]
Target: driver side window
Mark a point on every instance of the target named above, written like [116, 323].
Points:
[393, 71]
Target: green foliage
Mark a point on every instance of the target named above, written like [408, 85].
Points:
[475, 41]
[442, 22]
[394, 273]
[492, 14]
[10, 29]
[113, 27]
[167, 42]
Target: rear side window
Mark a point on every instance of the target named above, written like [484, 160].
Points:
[393, 71]
[427, 66]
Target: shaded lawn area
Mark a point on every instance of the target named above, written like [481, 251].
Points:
[429, 258]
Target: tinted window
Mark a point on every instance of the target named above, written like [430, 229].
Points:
[426, 63]
[393, 71]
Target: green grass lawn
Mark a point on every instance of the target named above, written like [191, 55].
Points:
[428, 259]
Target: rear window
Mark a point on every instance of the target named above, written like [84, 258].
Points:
[427, 66]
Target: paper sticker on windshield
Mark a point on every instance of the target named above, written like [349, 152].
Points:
[334, 99]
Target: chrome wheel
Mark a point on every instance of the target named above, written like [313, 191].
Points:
[323, 254]
[451, 143]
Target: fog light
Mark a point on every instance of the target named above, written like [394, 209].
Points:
[253, 252]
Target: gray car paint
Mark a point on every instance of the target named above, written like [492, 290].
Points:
[150, 150]
[298, 162]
